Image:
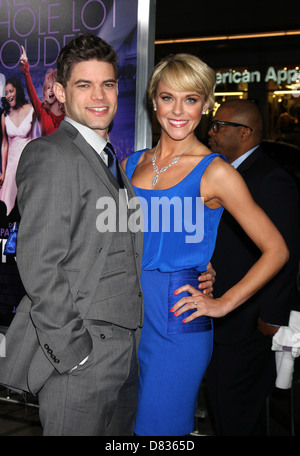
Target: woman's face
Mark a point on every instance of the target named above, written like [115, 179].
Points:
[49, 96]
[178, 113]
[11, 94]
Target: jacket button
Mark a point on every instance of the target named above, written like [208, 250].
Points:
[46, 346]
[140, 294]
[102, 336]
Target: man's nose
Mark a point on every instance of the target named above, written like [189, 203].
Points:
[211, 132]
[98, 93]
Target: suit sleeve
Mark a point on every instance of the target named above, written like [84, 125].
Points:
[44, 200]
[278, 197]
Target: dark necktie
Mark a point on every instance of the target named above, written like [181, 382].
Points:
[113, 163]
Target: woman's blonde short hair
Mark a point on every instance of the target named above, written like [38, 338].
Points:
[50, 78]
[184, 72]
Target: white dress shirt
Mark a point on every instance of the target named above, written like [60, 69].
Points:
[92, 138]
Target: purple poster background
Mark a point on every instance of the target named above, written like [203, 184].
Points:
[43, 27]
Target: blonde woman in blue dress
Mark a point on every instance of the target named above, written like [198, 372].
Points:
[176, 342]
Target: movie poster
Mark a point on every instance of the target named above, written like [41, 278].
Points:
[32, 33]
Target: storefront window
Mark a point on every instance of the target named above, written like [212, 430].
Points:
[230, 84]
[277, 90]
[284, 103]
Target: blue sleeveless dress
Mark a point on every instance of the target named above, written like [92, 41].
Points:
[179, 239]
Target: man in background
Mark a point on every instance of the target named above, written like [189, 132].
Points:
[242, 369]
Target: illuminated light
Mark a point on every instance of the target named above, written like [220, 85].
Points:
[229, 37]
[224, 94]
[191, 40]
[283, 92]
[294, 86]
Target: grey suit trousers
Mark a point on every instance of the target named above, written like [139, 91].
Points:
[98, 398]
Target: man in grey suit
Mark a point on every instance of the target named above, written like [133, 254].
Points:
[74, 338]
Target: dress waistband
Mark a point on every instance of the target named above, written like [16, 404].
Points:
[175, 324]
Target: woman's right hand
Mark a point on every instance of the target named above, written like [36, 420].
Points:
[24, 65]
[201, 303]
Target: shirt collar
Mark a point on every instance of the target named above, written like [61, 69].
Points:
[243, 157]
[92, 138]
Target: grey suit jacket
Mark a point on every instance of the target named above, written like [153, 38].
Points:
[69, 269]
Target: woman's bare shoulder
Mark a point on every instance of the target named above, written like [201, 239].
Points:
[219, 167]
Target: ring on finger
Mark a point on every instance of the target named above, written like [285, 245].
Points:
[195, 304]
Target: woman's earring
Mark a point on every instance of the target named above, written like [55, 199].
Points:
[155, 108]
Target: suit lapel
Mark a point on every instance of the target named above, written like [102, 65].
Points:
[101, 169]
[97, 164]
[93, 158]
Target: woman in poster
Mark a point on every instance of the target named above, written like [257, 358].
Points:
[17, 126]
[49, 112]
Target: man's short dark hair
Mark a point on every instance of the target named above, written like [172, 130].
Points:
[81, 49]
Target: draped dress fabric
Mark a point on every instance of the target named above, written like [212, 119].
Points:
[179, 240]
[18, 137]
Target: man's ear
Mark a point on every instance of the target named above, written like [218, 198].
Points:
[59, 91]
[245, 133]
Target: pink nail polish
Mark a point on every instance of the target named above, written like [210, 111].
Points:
[183, 321]
[175, 292]
[176, 313]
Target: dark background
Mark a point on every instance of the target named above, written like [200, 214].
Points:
[194, 18]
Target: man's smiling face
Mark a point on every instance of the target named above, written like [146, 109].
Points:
[91, 95]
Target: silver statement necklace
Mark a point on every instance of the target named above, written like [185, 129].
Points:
[164, 168]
